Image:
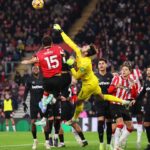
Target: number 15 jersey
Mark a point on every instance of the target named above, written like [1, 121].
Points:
[50, 60]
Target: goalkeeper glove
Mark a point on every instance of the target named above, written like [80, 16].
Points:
[70, 62]
[25, 107]
[57, 27]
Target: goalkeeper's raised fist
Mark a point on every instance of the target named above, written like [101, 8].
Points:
[57, 27]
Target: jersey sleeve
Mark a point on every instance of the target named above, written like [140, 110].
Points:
[82, 70]
[69, 42]
[113, 84]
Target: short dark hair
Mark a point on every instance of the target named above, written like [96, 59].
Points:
[127, 64]
[102, 59]
[92, 50]
[47, 40]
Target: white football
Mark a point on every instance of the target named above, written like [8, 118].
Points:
[38, 4]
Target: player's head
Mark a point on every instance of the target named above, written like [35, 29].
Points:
[102, 64]
[89, 50]
[126, 69]
[148, 71]
[46, 41]
[35, 70]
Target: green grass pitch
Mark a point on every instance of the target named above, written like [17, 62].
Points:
[23, 141]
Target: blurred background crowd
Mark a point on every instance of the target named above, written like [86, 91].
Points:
[119, 28]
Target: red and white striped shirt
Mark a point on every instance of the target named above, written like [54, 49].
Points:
[124, 89]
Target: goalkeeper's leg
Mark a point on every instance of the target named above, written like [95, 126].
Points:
[112, 98]
[78, 110]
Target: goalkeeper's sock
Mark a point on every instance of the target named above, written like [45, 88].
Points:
[112, 98]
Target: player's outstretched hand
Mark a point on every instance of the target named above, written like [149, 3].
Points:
[24, 62]
[25, 107]
[57, 27]
[70, 61]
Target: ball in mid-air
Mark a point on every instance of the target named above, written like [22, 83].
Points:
[38, 4]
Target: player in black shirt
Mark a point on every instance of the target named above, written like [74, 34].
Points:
[34, 85]
[102, 107]
[146, 90]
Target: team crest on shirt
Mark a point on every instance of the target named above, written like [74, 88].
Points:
[82, 69]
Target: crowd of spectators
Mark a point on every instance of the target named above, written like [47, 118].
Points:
[22, 27]
[21, 30]
[121, 31]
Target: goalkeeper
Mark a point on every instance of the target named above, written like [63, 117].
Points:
[90, 84]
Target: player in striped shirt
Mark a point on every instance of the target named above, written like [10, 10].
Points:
[122, 86]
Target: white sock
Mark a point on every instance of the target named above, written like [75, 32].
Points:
[56, 136]
[14, 128]
[76, 135]
[47, 142]
[7, 128]
[35, 140]
[117, 136]
[124, 136]
[139, 132]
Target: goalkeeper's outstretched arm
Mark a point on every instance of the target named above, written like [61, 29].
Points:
[68, 41]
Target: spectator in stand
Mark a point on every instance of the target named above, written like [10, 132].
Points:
[18, 78]
[119, 28]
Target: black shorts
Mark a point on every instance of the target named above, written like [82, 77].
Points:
[137, 107]
[53, 85]
[102, 109]
[34, 111]
[8, 114]
[66, 81]
[53, 110]
[118, 111]
[147, 115]
[67, 110]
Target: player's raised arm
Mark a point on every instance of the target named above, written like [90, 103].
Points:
[30, 61]
[67, 40]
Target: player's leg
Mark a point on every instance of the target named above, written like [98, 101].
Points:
[129, 127]
[139, 117]
[33, 114]
[34, 134]
[109, 133]
[80, 134]
[12, 121]
[7, 124]
[57, 121]
[147, 127]
[97, 91]
[117, 115]
[61, 138]
[100, 109]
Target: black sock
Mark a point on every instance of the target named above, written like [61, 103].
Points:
[57, 125]
[34, 131]
[46, 135]
[50, 126]
[61, 138]
[109, 132]
[101, 130]
[81, 135]
[148, 133]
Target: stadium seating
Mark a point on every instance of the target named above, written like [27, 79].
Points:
[120, 28]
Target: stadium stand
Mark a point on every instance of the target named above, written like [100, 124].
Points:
[121, 30]
[22, 30]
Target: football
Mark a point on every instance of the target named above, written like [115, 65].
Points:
[38, 4]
